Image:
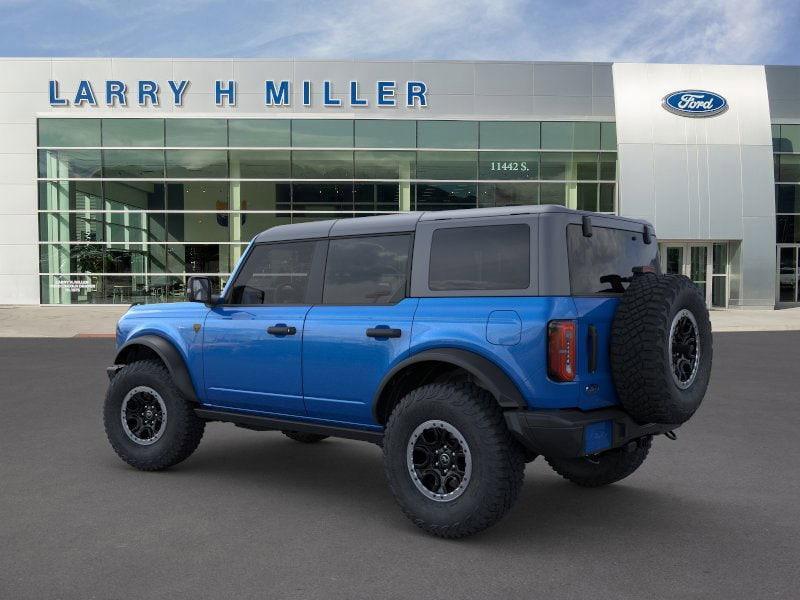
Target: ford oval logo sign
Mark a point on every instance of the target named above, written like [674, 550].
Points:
[695, 103]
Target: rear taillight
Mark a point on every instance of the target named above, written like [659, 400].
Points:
[561, 350]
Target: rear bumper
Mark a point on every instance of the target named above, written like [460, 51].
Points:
[569, 433]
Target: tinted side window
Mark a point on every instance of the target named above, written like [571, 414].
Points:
[275, 274]
[367, 270]
[491, 257]
[600, 264]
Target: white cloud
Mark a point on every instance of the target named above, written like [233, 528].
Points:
[735, 31]
[714, 31]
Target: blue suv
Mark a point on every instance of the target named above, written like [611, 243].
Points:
[465, 343]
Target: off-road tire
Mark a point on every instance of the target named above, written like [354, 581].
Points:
[603, 469]
[498, 465]
[641, 364]
[182, 432]
[306, 438]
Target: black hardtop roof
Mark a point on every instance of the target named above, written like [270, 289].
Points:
[406, 222]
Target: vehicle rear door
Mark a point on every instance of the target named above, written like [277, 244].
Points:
[362, 327]
[600, 267]
[252, 346]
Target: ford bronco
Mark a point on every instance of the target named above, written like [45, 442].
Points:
[464, 343]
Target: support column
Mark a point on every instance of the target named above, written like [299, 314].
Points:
[235, 219]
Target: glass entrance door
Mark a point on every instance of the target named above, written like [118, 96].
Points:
[788, 281]
[691, 260]
[672, 259]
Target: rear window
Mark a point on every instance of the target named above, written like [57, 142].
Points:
[490, 257]
[603, 263]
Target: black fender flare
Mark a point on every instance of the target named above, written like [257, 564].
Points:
[489, 375]
[171, 358]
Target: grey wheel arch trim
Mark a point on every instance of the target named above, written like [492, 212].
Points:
[169, 355]
[489, 375]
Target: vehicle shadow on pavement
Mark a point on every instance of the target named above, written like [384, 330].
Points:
[347, 478]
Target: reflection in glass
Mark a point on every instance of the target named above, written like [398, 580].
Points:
[322, 164]
[322, 133]
[134, 195]
[608, 166]
[65, 133]
[447, 134]
[132, 164]
[447, 165]
[385, 165]
[70, 195]
[260, 164]
[567, 135]
[607, 196]
[586, 136]
[553, 193]
[259, 133]
[197, 164]
[608, 136]
[133, 132]
[197, 133]
[274, 274]
[557, 135]
[64, 164]
[556, 165]
[789, 138]
[789, 169]
[585, 166]
[509, 134]
[384, 133]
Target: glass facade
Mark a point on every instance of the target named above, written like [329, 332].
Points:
[786, 148]
[128, 208]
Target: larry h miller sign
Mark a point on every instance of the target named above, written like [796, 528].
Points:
[276, 93]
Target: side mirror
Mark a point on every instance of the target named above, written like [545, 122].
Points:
[198, 289]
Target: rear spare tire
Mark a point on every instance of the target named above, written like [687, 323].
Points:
[661, 348]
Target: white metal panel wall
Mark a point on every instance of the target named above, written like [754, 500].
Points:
[701, 178]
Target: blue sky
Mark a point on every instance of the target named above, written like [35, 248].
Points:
[712, 31]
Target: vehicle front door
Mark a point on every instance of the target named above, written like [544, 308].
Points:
[253, 340]
[362, 327]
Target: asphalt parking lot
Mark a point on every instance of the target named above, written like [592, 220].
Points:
[714, 515]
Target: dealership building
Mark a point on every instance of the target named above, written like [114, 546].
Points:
[119, 178]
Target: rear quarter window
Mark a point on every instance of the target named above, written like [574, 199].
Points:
[487, 257]
[602, 263]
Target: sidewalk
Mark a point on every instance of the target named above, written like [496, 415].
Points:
[59, 321]
[100, 321]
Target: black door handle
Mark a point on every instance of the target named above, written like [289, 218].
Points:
[383, 332]
[281, 330]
